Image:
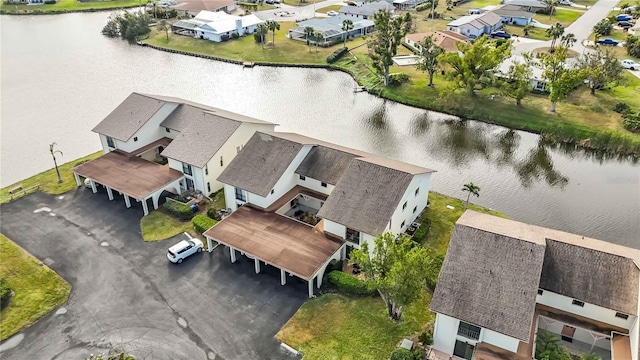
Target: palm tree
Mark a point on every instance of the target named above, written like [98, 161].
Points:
[164, 26]
[273, 26]
[550, 6]
[471, 189]
[568, 40]
[308, 33]
[262, 30]
[555, 31]
[55, 163]
[319, 37]
[347, 25]
[527, 29]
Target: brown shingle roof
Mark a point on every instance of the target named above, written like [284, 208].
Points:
[445, 39]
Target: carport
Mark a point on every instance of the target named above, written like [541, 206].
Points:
[289, 245]
[131, 176]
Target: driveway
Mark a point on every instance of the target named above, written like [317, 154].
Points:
[126, 295]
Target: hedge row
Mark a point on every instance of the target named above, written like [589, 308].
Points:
[181, 211]
[336, 55]
[202, 223]
[349, 284]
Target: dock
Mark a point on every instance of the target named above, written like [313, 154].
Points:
[248, 64]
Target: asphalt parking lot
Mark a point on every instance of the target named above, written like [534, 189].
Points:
[126, 295]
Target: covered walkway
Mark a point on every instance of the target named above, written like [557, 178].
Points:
[131, 176]
[292, 246]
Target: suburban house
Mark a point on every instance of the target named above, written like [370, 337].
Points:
[514, 15]
[367, 10]
[445, 39]
[193, 7]
[217, 26]
[331, 29]
[296, 203]
[504, 283]
[407, 4]
[527, 5]
[538, 81]
[474, 26]
[155, 143]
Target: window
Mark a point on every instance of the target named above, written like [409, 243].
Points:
[240, 195]
[110, 142]
[622, 316]
[208, 187]
[167, 130]
[415, 209]
[404, 206]
[353, 236]
[271, 191]
[190, 185]
[540, 291]
[577, 302]
[303, 178]
[469, 331]
[186, 168]
[402, 225]
[135, 138]
[206, 169]
[417, 192]
[323, 184]
[221, 162]
[463, 350]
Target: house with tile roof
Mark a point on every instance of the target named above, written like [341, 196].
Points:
[474, 26]
[445, 39]
[154, 143]
[296, 203]
[504, 283]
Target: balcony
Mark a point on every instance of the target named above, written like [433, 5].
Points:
[469, 331]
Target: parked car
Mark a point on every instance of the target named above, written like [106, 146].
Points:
[608, 41]
[500, 34]
[565, 2]
[625, 24]
[352, 3]
[623, 17]
[270, 2]
[276, 1]
[630, 64]
[185, 248]
[332, 13]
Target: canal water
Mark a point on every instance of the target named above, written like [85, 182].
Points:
[60, 77]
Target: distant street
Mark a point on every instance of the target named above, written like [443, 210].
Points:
[294, 13]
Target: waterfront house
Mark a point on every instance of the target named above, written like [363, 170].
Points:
[331, 29]
[445, 39]
[217, 26]
[538, 81]
[514, 15]
[474, 26]
[367, 10]
[504, 283]
[193, 7]
[155, 143]
[533, 6]
[296, 203]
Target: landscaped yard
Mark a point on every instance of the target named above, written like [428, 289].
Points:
[48, 180]
[160, 226]
[72, 5]
[38, 289]
[341, 327]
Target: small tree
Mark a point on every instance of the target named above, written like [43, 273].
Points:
[318, 37]
[555, 32]
[262, 31]
[388, 35]
[529, 28]
[550, 6]
[518, 81]
[308, 33]
[164, 26]
[470, 188]
[603, 28]
[449, 4]
[428, 57]
[396, 268]
[347, 25]
[561, 79]
[633, 45]
[600, 67]
[567, 40]
[273, 26]
[55, 163]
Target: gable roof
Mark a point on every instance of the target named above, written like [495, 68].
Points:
[366, 196]
[230, 24]
[260, 163]
[589, 270]
[527, 3]
[325, 164]
[477, 21]
[332, 25]
[128, 117]
[367, 9]
[445, 39]
[509, 10]
[489, 280]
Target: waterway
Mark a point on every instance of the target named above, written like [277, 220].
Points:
[60, 77]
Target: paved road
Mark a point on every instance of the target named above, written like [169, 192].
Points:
[295, 13]
[125, 294]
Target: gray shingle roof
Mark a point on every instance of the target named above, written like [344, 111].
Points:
[490, 280]
[367, 9]
[592, 276]
[513, 11]
[126, 119]
[366, 196]
[325, 164]
[260, 163]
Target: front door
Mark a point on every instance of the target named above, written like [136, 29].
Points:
[463, 350]
[190, 185]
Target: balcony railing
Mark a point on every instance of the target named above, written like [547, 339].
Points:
[469, 333]
[353, 237]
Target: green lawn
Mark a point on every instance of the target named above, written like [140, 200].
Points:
[563, 16]
[325, 9]
[38, 289]
[71, 5]
[218, 200]
[160, 226]
[48, 180]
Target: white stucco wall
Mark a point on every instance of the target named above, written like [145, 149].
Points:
[149, 132]
[595, 312]
[444, 333]
[419, 201]
[499, 340]
[229, 151]
[313, 184]
[197, 174]
[230, 197]
[335, 228]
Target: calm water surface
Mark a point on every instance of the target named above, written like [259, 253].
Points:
[60, 77]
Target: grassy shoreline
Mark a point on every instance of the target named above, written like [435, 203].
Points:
[68, 6]
[577, 121]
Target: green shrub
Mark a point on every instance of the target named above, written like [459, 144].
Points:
[631, 122]
[418, 354]
[423, 230]
[425, 338]
[349, 284]
[398, 78]
[632, 44]
[336, 55]
[5, 290]
[203, 223]
[433, 271]
[214, 214]
[181, 211]
[621, 108]
[401, 354]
